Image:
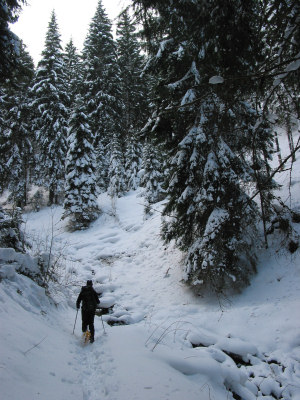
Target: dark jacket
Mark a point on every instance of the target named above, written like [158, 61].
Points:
[89, 299]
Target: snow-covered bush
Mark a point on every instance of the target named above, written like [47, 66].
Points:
[10, 234]
[12, 262]
[37, 200]
[282, 223]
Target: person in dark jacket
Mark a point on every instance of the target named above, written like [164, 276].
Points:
[89, 298]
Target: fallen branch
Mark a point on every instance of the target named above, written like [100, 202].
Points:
[33, 347]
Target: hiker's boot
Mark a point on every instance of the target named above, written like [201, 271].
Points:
[92, 339]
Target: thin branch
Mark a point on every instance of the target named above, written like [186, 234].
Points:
[33, 347]
[277, 169]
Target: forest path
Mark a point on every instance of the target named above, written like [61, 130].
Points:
[131, 267]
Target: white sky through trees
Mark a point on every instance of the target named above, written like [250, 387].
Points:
[73, 18]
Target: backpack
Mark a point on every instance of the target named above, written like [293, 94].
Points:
[89, 302]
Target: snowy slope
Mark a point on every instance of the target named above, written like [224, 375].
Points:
[167, 344]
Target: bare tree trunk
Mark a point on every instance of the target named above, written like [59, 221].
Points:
[264, 219]
[51, 200]
[290, 138]
[278, 150]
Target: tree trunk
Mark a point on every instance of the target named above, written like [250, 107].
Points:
[290, 138]
[278, 150]
[51, 195]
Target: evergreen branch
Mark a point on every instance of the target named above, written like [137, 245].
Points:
[258, 75]
[279, 65]
[278, 169]
[152, 208]
[166, 110]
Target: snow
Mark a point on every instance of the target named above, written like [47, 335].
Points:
[168, 344]
[214, 80]
[163, 46]
[189, 97]
[293, 66]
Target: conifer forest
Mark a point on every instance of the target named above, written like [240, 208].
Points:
[185, 100]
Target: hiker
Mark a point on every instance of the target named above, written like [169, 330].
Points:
[89, 298]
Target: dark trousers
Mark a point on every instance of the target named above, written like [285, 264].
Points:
[88, 321]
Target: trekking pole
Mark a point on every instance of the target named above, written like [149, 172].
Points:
[75, 322]
[103, 324]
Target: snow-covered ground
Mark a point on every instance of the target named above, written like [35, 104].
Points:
[167, 343]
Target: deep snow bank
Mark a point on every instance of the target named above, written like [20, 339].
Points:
[32, 337]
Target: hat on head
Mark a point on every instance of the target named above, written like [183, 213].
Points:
[89, 283]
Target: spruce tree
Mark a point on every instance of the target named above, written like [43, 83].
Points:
[134, 94]
[116, 172]
[133, 84]
[80, 188]
[152, 177]
[101, 83]
[133, 161]
[73, 70]
[279, 76]
[50, 102]
[205, 114]
[16, 138]
[9, 42]
[102, 161]
[212, 218]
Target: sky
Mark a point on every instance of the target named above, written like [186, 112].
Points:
[73, 18]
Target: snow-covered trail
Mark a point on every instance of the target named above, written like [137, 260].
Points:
[129, 264]
[137, 273]
[250, 346]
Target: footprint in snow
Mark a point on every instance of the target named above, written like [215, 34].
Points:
[111, 240]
